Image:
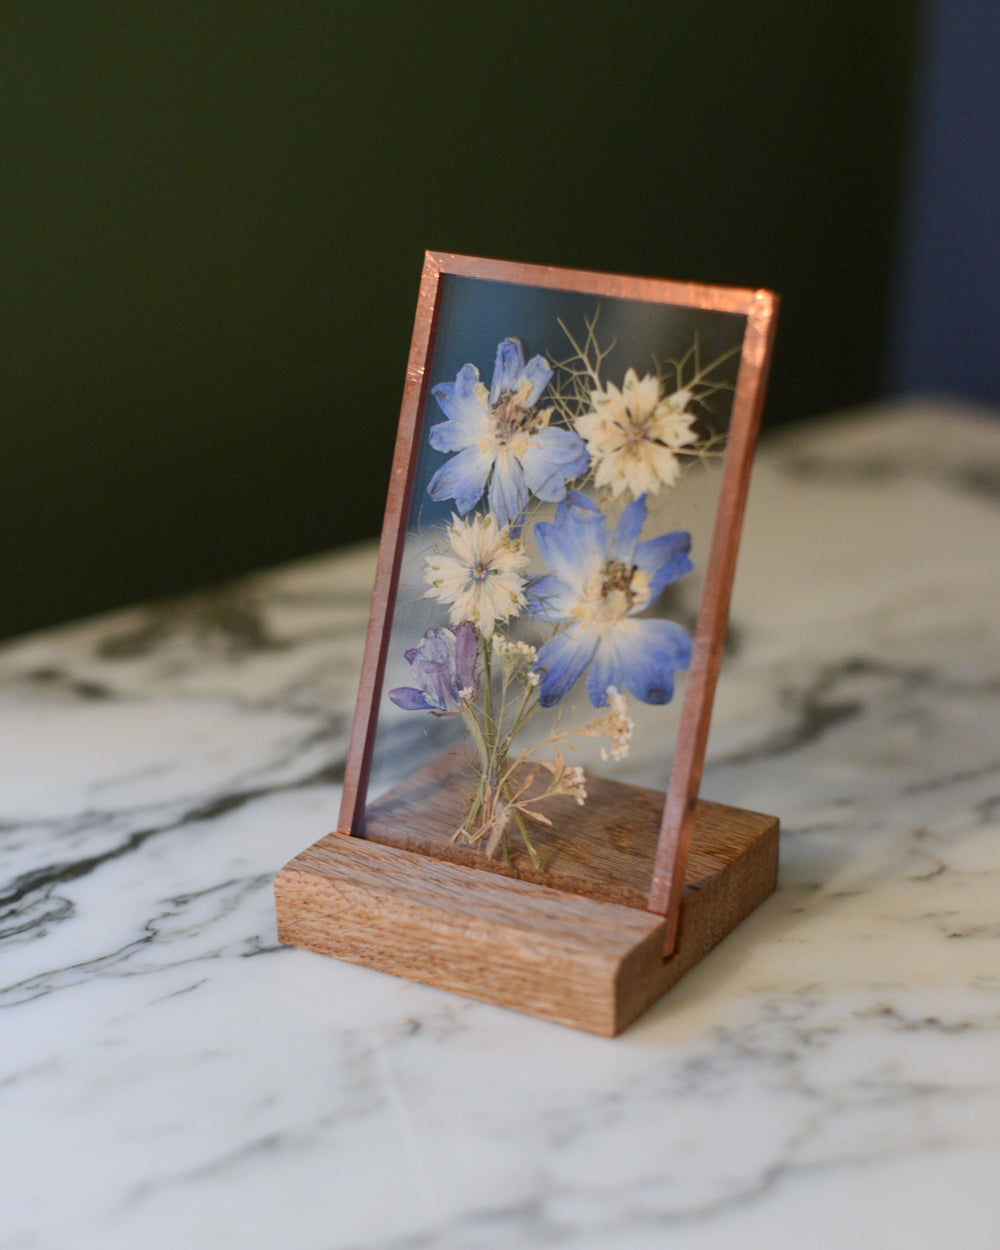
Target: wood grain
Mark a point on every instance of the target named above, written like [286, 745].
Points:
[580, 961]
[603, 850]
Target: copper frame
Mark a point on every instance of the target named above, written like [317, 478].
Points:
[760, 308]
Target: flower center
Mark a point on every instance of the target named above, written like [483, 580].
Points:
[617, 594]
[612, 594]
[510, 420]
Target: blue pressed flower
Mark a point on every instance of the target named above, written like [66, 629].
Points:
[599, 581]
[504, 444]
[444, 665]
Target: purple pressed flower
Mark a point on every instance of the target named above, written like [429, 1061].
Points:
[444, 665]
[505, 444]
[599, 582]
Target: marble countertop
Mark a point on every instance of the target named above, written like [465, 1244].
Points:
[828, 1077]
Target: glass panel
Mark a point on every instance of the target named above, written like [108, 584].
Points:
[560, 520]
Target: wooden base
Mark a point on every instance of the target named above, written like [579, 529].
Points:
[580, 950]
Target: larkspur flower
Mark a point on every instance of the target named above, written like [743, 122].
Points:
[444, 665]
[505, 444]
[482, 578]
[633, 435]
[599, 582]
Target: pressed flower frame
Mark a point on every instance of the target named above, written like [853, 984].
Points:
[534, 458]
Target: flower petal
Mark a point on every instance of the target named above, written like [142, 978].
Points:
[462, 478]
[485, 609]
[550, 599]
[508, 491]
[437, 647]
[436, 682]
[579, 505]
[410, 700]
[626, 535]
[461, 396]
[664, 559]
[561, 661]
[604, 672]
[538, 371]
[466, 652]
[670, 424]
[553, 455]
[454, 435]
[640, 397]
[508, 369]
[649, 653]
[574, 545]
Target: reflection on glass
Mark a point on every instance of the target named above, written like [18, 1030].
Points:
[560, 519]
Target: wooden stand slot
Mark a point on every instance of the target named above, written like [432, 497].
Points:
[572, 943]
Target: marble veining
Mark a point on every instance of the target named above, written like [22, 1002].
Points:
[830, 1076]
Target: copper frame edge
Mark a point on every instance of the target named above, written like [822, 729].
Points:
[624, 286]
[359, 752]
[676, 830]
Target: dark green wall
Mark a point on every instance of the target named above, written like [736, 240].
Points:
[215, 216]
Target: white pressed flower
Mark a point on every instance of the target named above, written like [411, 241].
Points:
[617, 701]
[567, 779]
[517, 659]
[481, 579]
[618, 726]
[633, 435]
[517, 654]
[574, 781]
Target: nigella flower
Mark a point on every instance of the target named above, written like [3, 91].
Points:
[444, 665]
[482, 577]
[502, 439]
[599, 581]
[633, 435]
